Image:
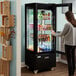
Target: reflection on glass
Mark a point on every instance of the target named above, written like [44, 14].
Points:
[44, 30]
[30, 29]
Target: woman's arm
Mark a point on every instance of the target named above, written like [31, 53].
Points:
[64, 32]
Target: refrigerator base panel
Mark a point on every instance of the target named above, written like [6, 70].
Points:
[41, 61]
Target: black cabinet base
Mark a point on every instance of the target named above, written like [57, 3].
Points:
[41, 61]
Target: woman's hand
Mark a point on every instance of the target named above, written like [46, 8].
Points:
[53, 32]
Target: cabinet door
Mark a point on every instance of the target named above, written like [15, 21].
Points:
[45, 24]
[29, 25]
[61, 20]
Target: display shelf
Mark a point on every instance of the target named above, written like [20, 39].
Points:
[5, 26]
[5, 20]
[8, 21]
[7, 53]
[1, 74]
[4, 67]
[4, 45]
[3, 14]
[4, 59]
[4, 35]
[3, 41]
[43, 15]
[5, 7]
[45, 27]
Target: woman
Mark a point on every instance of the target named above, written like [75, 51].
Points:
[70, 41]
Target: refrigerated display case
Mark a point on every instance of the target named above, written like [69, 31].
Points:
[40, 47]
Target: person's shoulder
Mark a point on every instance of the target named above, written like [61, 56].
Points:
[67, 24]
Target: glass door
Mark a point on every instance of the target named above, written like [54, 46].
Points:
[60, 23]
[44, 30]
[30, 31]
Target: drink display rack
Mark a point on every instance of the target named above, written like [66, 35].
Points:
[5, 32]
[40, 44]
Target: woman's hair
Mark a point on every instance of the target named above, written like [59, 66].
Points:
[70, 17]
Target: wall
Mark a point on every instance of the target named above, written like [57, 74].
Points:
[23, 21]
[0, 43]
[13, 41]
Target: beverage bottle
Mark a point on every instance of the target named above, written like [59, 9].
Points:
[45, 48]
[48, 16]
[49, 47]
